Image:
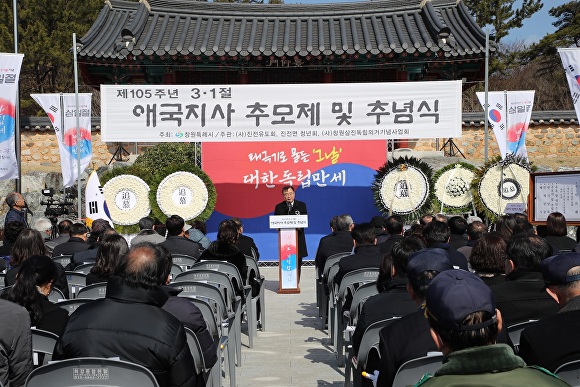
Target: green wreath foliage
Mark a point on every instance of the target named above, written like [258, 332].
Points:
[392, 165]
[157, 178]
[165, 154]
[125, 170]
[437, 203]
[480, 172]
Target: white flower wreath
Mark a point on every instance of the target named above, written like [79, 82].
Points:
[127, 197]
[183, 194]
[496, 192]
[404, 189]
[452, 187]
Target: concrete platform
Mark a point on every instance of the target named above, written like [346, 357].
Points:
[293, 350]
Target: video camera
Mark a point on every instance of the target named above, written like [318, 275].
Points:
[56, 206]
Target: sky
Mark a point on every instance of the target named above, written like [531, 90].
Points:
[533, 29]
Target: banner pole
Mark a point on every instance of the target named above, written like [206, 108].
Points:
[79, 193]
[17, 142]
[486, 82]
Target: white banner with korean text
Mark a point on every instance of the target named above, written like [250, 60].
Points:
[509, 116]
[10, 65]
[61, 109]
[280, 112]
[571, 62]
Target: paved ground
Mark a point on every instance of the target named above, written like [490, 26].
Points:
[293, 350]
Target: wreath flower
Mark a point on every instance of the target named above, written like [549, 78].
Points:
[452, 188]
[182, 193]
[403, 187]
[127, 197]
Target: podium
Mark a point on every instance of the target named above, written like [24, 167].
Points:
[287, 226]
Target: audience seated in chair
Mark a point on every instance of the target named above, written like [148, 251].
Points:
[147, 232]
[177, 242]
[63, 229]
[245, 243]
[99, 230]
[487, 258]
[76, 242]
[464, 324]
[475, 230]
[112, 248]
[339, 241]
[126, 323]
[16, 343]
[394, 225]
[437, 235]
[554, 340]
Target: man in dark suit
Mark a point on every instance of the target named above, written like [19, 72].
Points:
[394, 225]
[245, 243]
[437, 234]
[76, 242]
[554, 340]
[177, 242]
[339, 241]
[290, 206]
[522, 297]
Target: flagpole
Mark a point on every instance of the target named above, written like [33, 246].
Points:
[79, 196]
[17, 103]
[486, 83]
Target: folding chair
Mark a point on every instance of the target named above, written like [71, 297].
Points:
[55, 295]
[331, 300]
[570, 373]
[43, 343]
[72, 305]
[322, 299]
[233, 301]
[413, 370]
[348, 285]
[76, 281]
[515, 331]
[91, 372]
[253, 266]
[84, 268]
[369, 342]
[185, 262]
[206, 291]
[93, 291]
[62, 260]
[175, 270]
[196, 353]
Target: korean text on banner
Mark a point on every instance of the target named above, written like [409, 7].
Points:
[95, 204]
[281, 112]
[10, 65]
[509, 116]
[571, 61]
[61, 109]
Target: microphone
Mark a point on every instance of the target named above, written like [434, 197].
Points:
[28, 209]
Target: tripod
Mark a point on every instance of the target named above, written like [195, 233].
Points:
[453, 149]
[119, 153]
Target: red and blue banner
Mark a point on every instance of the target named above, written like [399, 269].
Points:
[10, 65]
[331, 177]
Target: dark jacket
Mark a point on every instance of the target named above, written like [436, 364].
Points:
[14, 215]
[192, 318]
[299, 208]
[553, 340]
[457, 259]
[522, 297]
[394, 301]
[337, 242]
[220, 251]
[364, 257]
[181, 245]
[561, 243]
[54, 317]
[61, 283]
[387, 245]
[246, 244]
[16, 341]
[129, 323]
[73, 245]
[87, 256]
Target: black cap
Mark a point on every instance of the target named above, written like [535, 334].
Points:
[554, 268]
[455, 294]
[427, 260]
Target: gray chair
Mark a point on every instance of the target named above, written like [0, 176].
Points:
[63, 260]
[570, 373]
[253, 266]
[348, 286]
[185, 262]
[330, 300]
[93, 291]
[175, 270]
[515, 331]
[197, 354]
[84, 268]
[43, 343]
[72, 305]
[321, 298]
[369, 342]
[412, 371]
[55, 295]
[76, 281]
[91, 372]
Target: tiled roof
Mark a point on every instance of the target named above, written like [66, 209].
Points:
[197, 28]
[560, 117]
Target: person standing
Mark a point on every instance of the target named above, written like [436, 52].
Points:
[290, 206]
[18, 210]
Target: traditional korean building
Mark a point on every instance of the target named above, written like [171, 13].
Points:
[195, 42]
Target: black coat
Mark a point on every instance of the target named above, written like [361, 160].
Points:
[73, 245]
[457, 259]
[338, 242]
[181, 245]
[394, 301]
[61, 282]
[129, 323]
[220, 251]
[522, 297]
[54, 317]
[554, 340]
[299, 208]
[246, 244]
[387, 245]
[364, 257]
